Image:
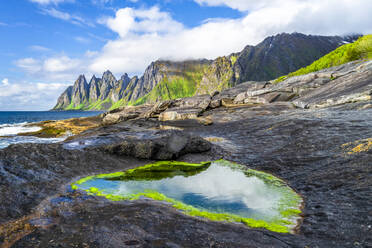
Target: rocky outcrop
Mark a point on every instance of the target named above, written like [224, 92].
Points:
[163, 80]
[65, 99]
[94, 89]
[123, 114]
[169, 146]
[351, 82]
[186, 108]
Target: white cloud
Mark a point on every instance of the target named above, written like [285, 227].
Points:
[5, 81]
[101, 2]
[242, 5]
[91, 54]
[38, 48]
[74, 19]
[57, 68]
[60, 64]
[142, 21]
[30, 96]
[46, 2]
[82, 40]
[30, 65]
[145, 35]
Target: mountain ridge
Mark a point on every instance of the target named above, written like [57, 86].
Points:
[275, 56]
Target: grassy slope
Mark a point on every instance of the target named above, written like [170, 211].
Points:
[98, 105]
[360, 49]
[190, 83]
[173, 87]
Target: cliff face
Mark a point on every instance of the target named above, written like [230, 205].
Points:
[275, 56]
[284, 53]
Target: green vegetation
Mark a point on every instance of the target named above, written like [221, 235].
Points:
[161, 170]
[151, 172]
[73, 107]
[218, 76]
[91, 105]
[233, 59]
[118, 104]
[288, 206]
[98, 105]
[360, 49]
[173, 87]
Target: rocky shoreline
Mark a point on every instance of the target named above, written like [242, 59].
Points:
[312, 131]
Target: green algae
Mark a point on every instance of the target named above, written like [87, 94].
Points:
[289, 205]
[161, 170]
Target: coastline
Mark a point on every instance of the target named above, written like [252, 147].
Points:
[322, 152]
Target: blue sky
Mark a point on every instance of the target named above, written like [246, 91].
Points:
[46, 44]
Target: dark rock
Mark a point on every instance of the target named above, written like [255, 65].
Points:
[227, 96]
[170, 145]
[158, 108]
[354, 86]
[123, 114]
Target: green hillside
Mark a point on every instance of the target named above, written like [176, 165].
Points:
[360, 49]
[174, 87]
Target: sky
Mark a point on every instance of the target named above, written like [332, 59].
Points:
[46, 44]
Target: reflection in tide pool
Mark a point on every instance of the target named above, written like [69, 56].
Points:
[217, 189]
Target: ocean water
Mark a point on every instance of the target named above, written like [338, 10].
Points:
[13, 123]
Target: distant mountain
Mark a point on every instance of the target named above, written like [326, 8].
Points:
[275, 56]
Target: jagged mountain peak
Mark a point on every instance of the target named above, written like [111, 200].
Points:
[108, 78]
[125, 77]
[107, 73]
[164, 79]
[94, 79]
[81, 79]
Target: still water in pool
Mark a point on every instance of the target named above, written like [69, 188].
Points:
[219, 188]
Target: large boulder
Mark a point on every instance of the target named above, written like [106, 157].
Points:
[186, 108]
[200, 101]
[123, 114]
[158, 108]
[171, 145]
[226, 97]
[247, 98]
[180, 114]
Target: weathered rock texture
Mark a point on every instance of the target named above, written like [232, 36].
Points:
[317, 141]
[167, 146]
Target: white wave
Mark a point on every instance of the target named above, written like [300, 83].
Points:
[4, 142]
[14, 129]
